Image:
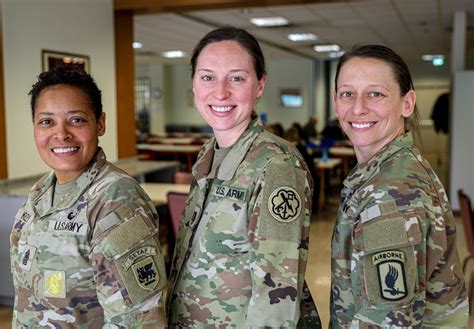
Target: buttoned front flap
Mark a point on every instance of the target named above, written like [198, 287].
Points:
[133, 249]
[386, 238]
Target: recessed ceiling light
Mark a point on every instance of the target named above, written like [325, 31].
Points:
[173, 54]
[336, 54]
[326, 48]
[269, 21]
[302, 37]
[137, 45]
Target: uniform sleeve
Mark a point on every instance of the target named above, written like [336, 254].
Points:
[410, 273]
[126, 258]
[279, 229]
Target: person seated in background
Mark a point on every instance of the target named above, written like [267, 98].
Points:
[277, 129]
[333, 131]
[84, 247]
[309, 129]
[293, 136]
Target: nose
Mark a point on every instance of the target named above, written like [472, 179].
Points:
[360, 106]
[61, 132]
[222, 90]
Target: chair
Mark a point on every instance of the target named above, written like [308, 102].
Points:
[182, 177]
[176, 203]
[467, 217]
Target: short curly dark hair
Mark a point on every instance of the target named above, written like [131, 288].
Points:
[64, 75]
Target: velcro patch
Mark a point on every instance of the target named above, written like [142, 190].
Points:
[378, 210]
[232, 193]
[68, 226]
[391, 274]
[27, 255]
[284, 204]
[54, 284]
[146, 273]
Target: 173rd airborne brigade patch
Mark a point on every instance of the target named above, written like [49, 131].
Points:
[391, 274]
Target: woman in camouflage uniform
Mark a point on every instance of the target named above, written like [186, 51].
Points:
[394, 258]
[242, 247]
[84, 248]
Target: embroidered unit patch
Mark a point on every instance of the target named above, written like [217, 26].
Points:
[391, 274]
[284, 204]
[146, 273]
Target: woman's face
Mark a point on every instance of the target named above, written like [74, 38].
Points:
[66, 131]
[225, 89]
[369, 106]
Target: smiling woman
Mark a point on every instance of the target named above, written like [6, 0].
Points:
[74, 261]
[242, 246]
[394, 257]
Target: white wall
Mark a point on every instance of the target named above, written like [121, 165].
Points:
[76, 26]
[287, 74]
[462, 147]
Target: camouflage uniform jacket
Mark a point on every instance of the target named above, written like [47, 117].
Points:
[394, 257]
[246, 266]
[93, 261]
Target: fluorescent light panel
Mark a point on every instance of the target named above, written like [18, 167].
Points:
[269, 21]
[302, 37]
[173, 54]
[326, 48]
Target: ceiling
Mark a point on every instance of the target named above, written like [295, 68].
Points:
[410, 27]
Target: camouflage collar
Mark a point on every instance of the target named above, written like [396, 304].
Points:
[233, 159]
[363, 171]
[43, 190]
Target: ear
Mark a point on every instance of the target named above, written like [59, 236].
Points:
[261, 85]
[101, 125]
[409, 103]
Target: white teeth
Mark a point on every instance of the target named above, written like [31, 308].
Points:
[361, 125]
[221, 108]
[64, 149]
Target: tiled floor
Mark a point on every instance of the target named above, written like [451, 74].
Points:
[318, 268]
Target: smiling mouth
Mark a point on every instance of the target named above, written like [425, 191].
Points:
[364, 125]
[63, 150]
[221, 109]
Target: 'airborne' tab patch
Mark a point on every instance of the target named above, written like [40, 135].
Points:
[230, 192]
[391, 274]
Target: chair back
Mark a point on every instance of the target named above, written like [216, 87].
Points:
[182, 177]
[467, 219]
[176, 204]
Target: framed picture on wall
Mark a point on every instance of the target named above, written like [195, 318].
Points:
[291, 97]
[52, 59]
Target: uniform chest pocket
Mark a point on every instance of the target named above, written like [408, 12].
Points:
[389, 275]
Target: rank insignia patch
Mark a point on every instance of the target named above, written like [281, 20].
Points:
[284, 204]
[146, 273]
[391, 274]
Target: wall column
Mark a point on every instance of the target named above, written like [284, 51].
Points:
[125, 81]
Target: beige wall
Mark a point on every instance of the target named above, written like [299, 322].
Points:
[75, 26]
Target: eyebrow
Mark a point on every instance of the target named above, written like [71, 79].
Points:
[231, 70]
[68, 112]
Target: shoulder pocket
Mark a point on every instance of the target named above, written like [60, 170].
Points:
[133, 249]
[390, 267]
